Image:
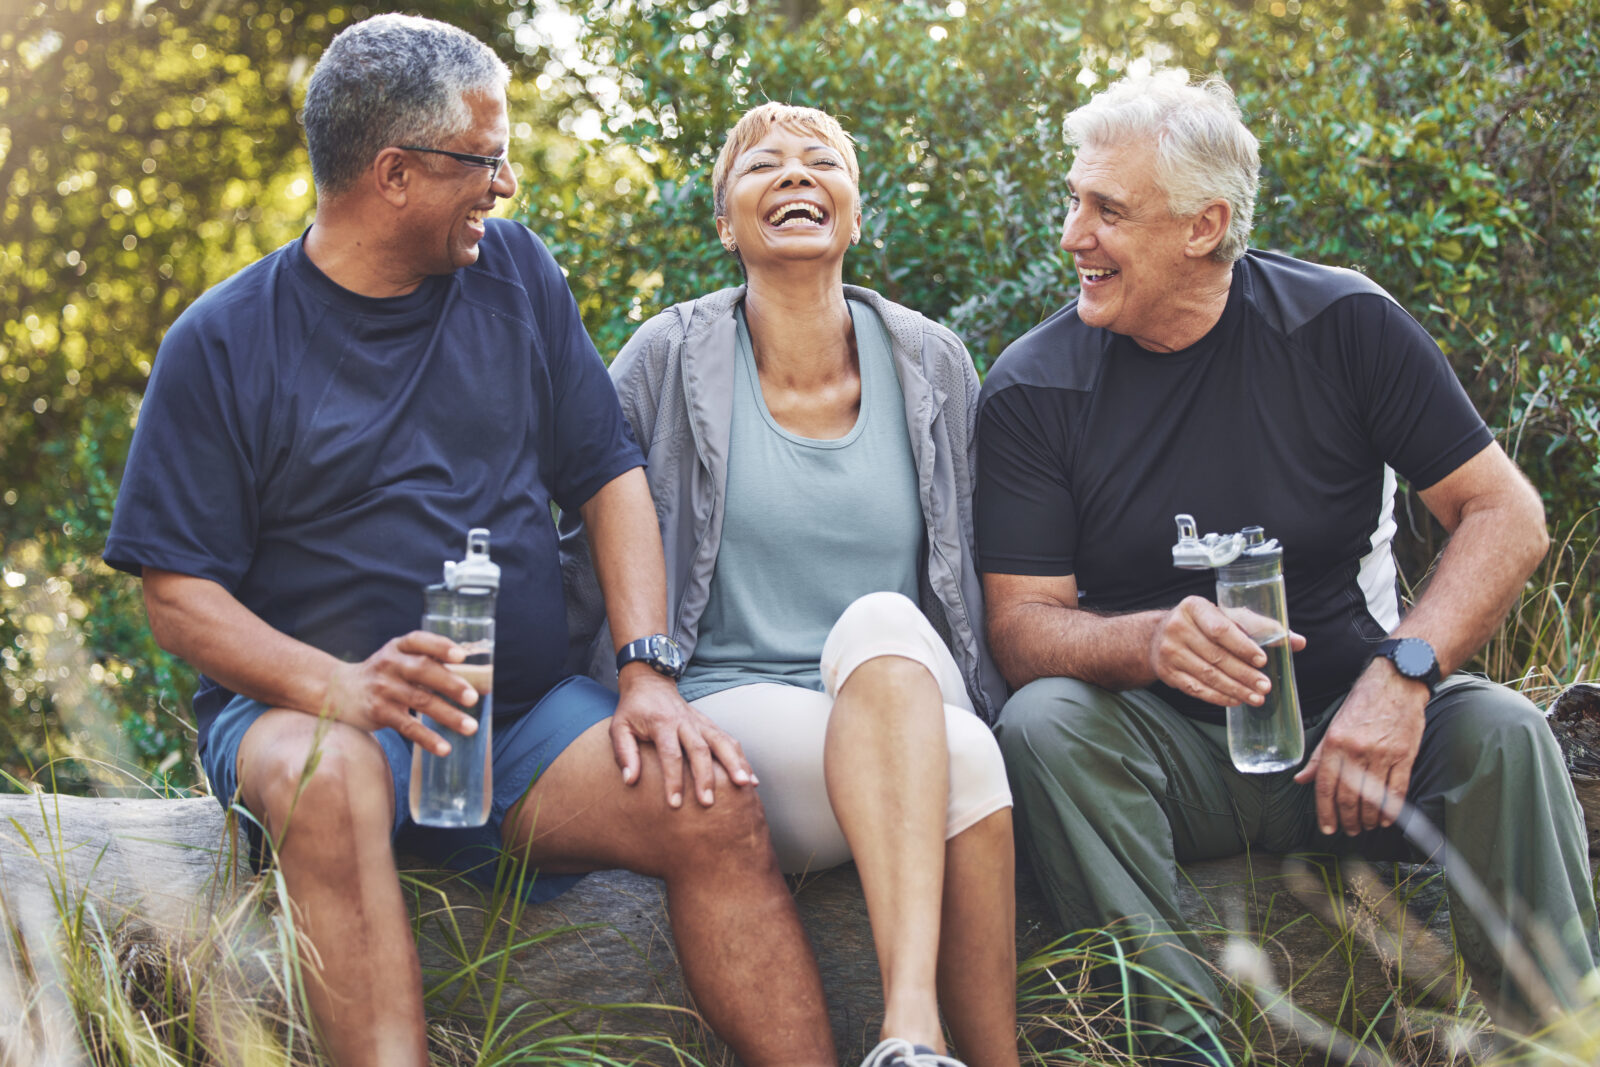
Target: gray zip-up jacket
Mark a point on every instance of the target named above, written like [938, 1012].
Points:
[675, 380]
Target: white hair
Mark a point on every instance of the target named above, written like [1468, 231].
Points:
[1203, 150]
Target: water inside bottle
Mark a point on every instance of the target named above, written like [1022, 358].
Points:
[454, 790]
[1268, 737]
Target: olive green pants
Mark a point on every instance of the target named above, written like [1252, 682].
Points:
[1114, 790]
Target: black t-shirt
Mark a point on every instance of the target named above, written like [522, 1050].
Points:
[320, 454]
[1292, 413]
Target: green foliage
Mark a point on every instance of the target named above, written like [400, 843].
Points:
[1451, 153]
[1457, 166]
[957, 128]
[1449, 150]
[148, 153]
[101, 699]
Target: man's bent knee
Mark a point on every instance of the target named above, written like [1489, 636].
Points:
[735, 826]
[1055, 709]
[315, 773]
[1072, 741]
[1491, 721]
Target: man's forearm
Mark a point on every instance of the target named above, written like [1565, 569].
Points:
[621, 523]
[1362, 767]
[204, 625]
[1497, 538]
[1042, 640]
[1477, 581]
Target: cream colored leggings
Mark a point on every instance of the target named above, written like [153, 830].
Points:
[782, 728]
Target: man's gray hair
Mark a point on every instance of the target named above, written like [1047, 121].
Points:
[1203, 150]
[391, 80]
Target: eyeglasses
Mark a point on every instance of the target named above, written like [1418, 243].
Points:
[493, 163]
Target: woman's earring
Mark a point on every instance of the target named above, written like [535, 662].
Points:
[732, 246]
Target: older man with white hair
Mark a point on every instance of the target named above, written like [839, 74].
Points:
[1193, 375]
[319, 433]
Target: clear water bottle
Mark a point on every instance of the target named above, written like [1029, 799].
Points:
[1250, 592]
[455, 790]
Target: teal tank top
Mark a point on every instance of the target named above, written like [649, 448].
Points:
[808, 526]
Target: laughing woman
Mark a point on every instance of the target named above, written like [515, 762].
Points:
[809, 454]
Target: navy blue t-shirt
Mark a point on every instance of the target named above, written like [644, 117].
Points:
[1293, 413]
[320, 454]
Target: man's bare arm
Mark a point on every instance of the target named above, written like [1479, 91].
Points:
[201, 622]
[1362, 768]
[625, 542]
[1036, 630]
[1497, 537]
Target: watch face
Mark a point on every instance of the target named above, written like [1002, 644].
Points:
[667, 652]
[1413, 658]
[661, 652]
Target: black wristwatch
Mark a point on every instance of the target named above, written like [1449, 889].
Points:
[658, 650]
[1412, 658]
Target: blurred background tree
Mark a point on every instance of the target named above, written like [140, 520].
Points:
[1451, 150]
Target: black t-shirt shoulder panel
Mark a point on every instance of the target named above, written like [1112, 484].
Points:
[1059, 353]
[1288, 293]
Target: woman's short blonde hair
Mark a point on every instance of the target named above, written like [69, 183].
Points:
[756, 123]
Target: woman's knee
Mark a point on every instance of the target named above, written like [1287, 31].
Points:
[889, 695]
[883, 627]
[878, 613]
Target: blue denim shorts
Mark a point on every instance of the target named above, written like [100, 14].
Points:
[522, 749]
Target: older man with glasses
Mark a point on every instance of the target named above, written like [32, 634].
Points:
[319, 433]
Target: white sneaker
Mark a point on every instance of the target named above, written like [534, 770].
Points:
[898, 1052]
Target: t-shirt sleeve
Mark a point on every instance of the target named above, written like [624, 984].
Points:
[593, 441]
[187, 503]
[1025, 515]
[1419, 418]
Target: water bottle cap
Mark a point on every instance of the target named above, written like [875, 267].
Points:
[1196, 553]
[476, 571]
[1263, 549]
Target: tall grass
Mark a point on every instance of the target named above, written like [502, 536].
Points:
[86, 984]
[1552, 638]
[229, 989]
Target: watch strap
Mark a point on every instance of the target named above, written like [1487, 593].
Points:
[658, 650]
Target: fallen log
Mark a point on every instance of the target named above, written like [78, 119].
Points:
[599, 960]
[1575, 720]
